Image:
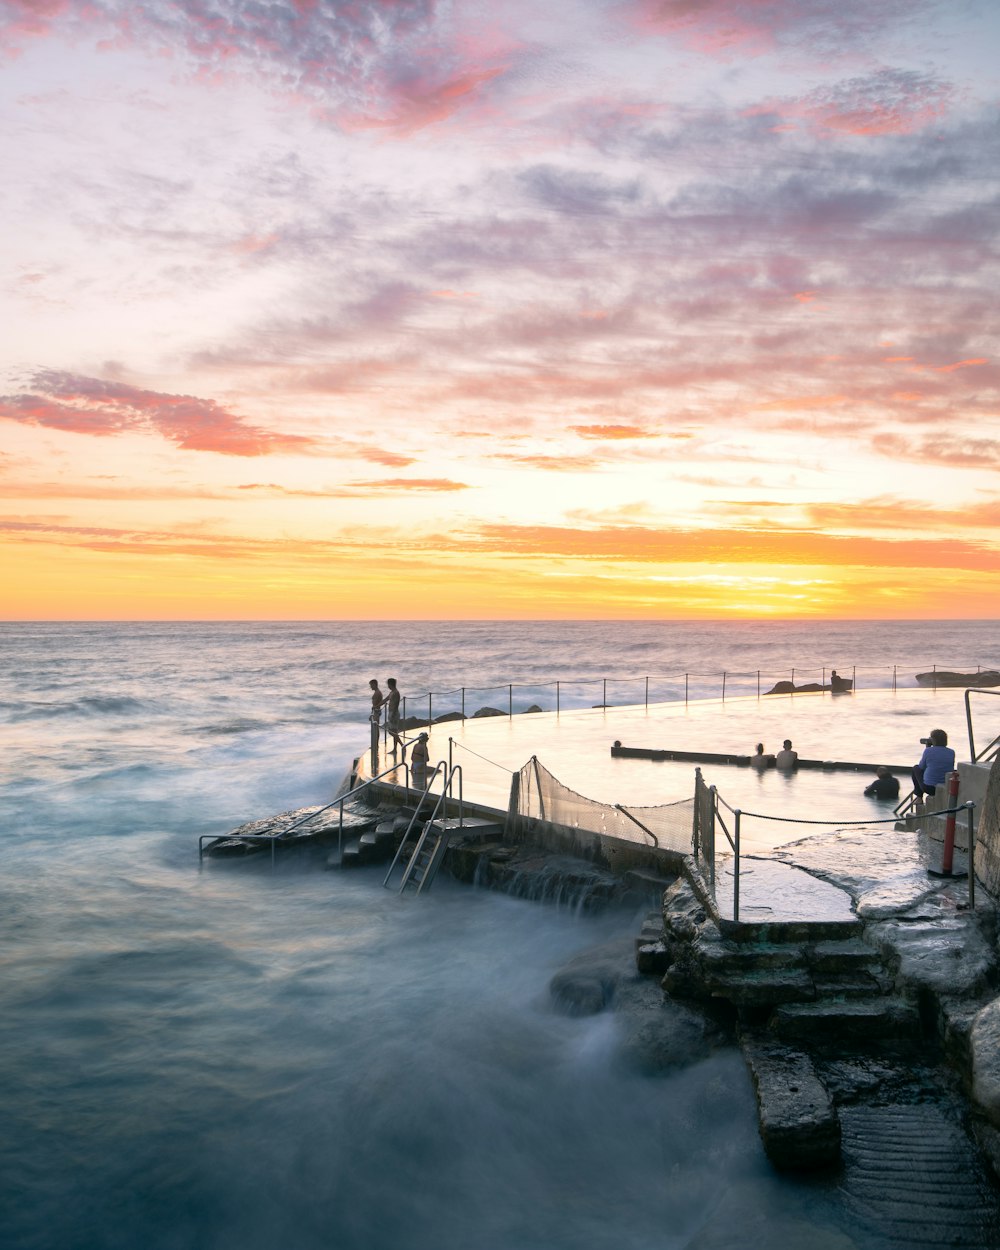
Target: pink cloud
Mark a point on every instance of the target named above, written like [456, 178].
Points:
[888, 102]
[81, 405]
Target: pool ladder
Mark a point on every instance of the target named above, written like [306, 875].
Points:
[420, 869]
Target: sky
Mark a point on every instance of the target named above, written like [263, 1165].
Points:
[400, 309]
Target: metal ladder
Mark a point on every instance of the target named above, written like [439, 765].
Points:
[422, 866]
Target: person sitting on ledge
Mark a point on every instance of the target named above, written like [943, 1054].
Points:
[787, 759]
[759, 760]
[839, 685]
[885, 785]
[937, 761]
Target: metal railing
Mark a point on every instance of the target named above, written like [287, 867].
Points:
[717, 802]
[668, 687]
[989, 752]
[449, 772]
[274, 838]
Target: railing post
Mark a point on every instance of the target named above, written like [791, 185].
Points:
[557, 698]
[450, 741]
[972, 855]
[713, 790]
[854, 679]
[646, 704]
[736, 863]
[723, 687]
[604, 693]
[463, 703]
[685, 689]
[894, 679]
[510, 702]
[758, 683]
[430, 708]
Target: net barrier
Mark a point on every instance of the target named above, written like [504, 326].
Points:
[667, 827]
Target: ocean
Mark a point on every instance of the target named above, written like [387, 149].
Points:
[234, 1055]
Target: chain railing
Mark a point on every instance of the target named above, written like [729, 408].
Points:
[514, 697]
[711, 809]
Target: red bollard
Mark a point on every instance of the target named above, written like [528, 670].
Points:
[949, 826]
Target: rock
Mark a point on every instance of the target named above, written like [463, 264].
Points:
[445, 717]
[797, 1120]
[534, 708]
[487, 711]
[944, 678]
[586, 985]
[782, 687]
[659, 1034]
[985, 1044]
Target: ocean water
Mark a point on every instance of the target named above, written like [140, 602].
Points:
[231, 1055]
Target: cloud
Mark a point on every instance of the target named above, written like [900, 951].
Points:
[422, 484]
[554, 463]
[81, 405]
[731, 29]
[890, 512]
[772, 546]
[887, 102]
[957, 451]
[395, 65]
[611, 432]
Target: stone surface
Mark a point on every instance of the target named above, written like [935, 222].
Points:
[985, 1046]
[586, 985]
[796, 1116]
[845, 1025]
[940, 948]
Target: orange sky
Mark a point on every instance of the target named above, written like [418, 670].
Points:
[665, 311]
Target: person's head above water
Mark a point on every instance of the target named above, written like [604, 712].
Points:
[760, 748]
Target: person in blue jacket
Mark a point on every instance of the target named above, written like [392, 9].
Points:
[937, 761]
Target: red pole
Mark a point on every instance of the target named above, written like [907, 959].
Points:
[949, 826]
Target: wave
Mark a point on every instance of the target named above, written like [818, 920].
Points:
[89, 705]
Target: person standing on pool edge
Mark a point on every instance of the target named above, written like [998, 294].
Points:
[392, 716]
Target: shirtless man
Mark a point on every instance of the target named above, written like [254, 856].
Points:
[377, 700]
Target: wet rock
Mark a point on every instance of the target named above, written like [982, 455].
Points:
[985, 1045]
[586, 985]
[797, 1120]
[940, 949]
[446, 717]
[487, 711]
[659, 1034]
[534, 708]
[845, 1025]
[782, 687]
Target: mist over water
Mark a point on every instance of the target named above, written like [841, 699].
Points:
[241, 1056]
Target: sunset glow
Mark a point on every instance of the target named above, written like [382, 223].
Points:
[416, 309]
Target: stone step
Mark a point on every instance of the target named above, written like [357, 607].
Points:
[842, 956]
[731, 959]
[858, 984]
[761, 988]
[795, 1114]
[846, 1022]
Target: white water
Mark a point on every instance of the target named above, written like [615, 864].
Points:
[247, 1057]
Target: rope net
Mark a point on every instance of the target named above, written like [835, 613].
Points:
[543, 797]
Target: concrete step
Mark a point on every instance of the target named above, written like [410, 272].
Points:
[845, 1022]
[842, 956]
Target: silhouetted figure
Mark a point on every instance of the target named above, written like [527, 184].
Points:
[787, 759]
[885, 785]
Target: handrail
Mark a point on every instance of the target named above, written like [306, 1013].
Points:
[449, 776]
[429, 825]
[274, 838]
[984, 755]
[416, 812]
